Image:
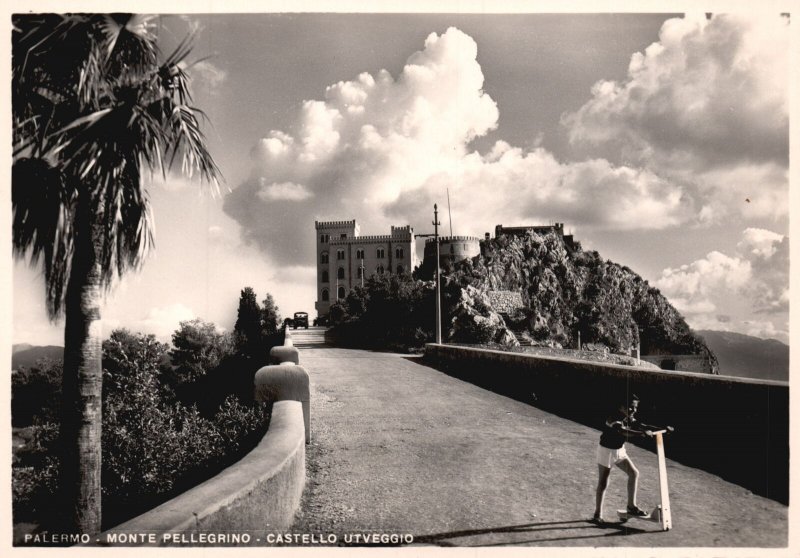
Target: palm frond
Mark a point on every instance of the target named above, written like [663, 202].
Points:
[43, 202]
[89, 96]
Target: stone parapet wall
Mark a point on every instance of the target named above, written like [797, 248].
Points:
[449, 239]
[735, 428]
[681, 363]
[259, 493]
[353, 240]
[505, 302]
[328, 224]
[262, 491]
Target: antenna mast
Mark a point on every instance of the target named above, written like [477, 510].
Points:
[449, 215]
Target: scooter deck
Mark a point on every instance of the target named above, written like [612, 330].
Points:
[625, 516]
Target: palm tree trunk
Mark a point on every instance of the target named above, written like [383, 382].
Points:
[81, 423]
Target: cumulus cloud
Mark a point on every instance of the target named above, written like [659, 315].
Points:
[383, 149]
[283, 191]
[760, 242]
[758, 273]
[708, 105]
[769, 254]
[534, 186]
[206, 76]
[163, 321]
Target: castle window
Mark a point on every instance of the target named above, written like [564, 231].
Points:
[381, 253]
[340, 292]
[398, 252]
[400, 270]
[452, 250]
[325, 295]
[343, 235]
[325, 277]
[323, 258]
[360, 272]
[360, 254]
[339, 254]
[379, 270]
[340, 273]
[323, 238]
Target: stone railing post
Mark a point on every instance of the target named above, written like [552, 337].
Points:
[285, 380]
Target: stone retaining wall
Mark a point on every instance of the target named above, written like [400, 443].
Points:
[732, 427]
[681, 363]
[258, 494]
[505, 302]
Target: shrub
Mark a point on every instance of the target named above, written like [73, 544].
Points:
[34, 479]
[198, 348]
[389, 311]
[154, 446]
[36, 392]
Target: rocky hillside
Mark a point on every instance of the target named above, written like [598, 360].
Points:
[570, 294]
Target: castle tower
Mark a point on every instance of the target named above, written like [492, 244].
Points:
[452, 249]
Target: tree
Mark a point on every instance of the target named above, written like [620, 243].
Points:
[198, 349]
[270, 317]
[247, 329]
[36, 392]
[93, 109]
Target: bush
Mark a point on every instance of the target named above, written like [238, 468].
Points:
[198, 348]
[34, 479]
[154, 446]
[36, 393]
[389, 311]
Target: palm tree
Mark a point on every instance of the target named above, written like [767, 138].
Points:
[93, 109]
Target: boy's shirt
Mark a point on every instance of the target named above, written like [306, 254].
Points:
[611, 436]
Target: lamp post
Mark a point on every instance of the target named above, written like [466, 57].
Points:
[361, 268]
[436, 224]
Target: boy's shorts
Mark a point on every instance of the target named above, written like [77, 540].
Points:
[610, 457]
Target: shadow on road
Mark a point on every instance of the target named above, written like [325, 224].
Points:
[617, 529]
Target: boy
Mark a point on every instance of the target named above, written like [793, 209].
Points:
[611, 451]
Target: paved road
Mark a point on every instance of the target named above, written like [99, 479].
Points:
[399, 447]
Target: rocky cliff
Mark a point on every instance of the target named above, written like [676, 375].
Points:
[579, 294]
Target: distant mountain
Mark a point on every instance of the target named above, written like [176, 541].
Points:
[28, 356]
[20, 347]
[747, 356]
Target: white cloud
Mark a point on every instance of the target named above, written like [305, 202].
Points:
[766, 330]
[384, 149]
[692, 286]
[756, 280]
[706, 105]
[760, 242]
[163, 321]
[288, 191]
[206, 75]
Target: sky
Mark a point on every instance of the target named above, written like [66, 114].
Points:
[661, 141]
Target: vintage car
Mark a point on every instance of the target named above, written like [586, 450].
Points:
[300, 320]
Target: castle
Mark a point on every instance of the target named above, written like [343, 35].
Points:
[344, 258]
[569, 242]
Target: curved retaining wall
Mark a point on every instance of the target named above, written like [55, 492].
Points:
[732, 427]
[259, 493]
